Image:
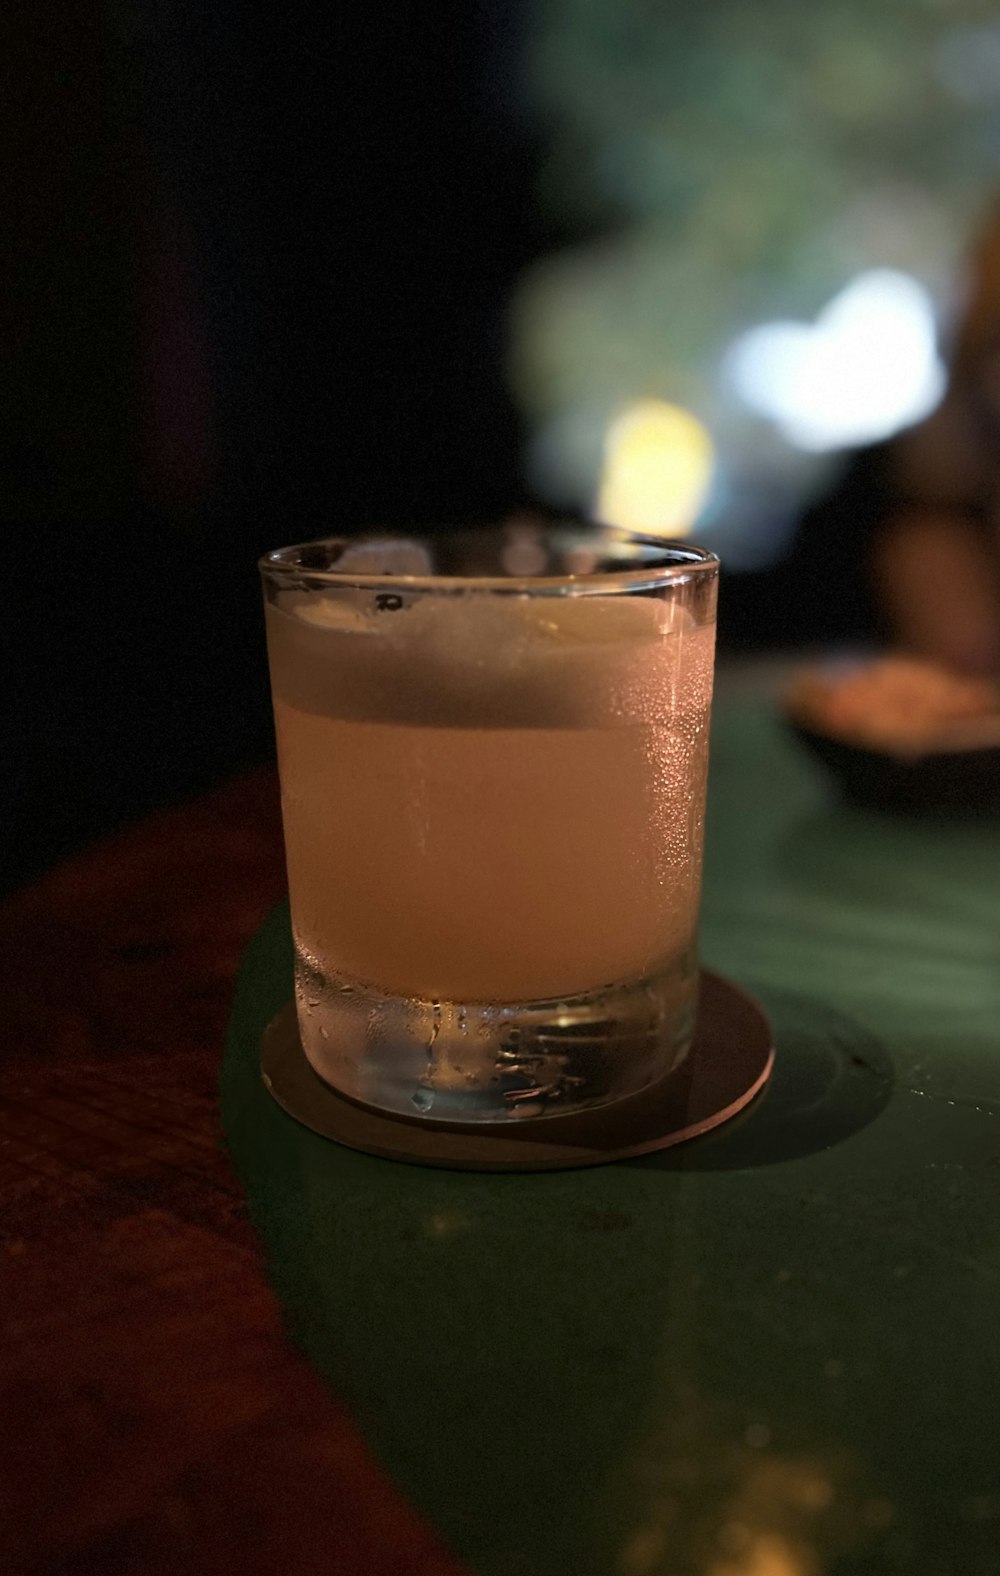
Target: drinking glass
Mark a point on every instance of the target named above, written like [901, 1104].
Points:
[492, 747]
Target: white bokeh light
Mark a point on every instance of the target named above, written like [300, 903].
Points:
[867, 367]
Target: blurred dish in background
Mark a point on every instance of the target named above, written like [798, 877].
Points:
[897, 703]
[901, 734]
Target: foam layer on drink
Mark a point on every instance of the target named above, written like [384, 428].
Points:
[489, 661]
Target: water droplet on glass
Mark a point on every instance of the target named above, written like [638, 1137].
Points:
[423, 1099]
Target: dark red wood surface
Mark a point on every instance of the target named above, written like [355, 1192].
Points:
[155, 1419]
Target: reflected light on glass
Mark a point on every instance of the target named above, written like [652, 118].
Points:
[867, 367]
[657, 469]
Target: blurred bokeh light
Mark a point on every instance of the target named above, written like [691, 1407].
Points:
[777, 200]
[657, 469]
[867, 367]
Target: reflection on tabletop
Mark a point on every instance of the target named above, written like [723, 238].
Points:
[770, 1351]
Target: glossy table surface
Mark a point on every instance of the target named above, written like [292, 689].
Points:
[156, 1420]
[769, 1353]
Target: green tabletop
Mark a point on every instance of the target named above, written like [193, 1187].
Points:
[772, 1352]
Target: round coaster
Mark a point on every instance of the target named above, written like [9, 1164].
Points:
[729, 1063]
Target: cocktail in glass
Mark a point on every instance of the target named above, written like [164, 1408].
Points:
[493, 748]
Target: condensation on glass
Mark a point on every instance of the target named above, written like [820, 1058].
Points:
[493, 748]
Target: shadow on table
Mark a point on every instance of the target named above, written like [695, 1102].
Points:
[609, 1370]
[903, 915]
[831, 1078]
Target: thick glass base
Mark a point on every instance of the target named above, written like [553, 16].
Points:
[495, 1062]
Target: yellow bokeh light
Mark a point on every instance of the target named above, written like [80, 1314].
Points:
[657, 469]
[766, 1556]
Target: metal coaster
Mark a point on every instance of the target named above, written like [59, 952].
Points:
[729, 1063]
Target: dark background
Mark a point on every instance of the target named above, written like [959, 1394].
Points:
[258, 261]
[257, 267]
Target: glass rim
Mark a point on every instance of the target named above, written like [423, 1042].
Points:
[682, 563]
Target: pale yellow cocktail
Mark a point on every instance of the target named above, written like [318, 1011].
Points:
[493, 814]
